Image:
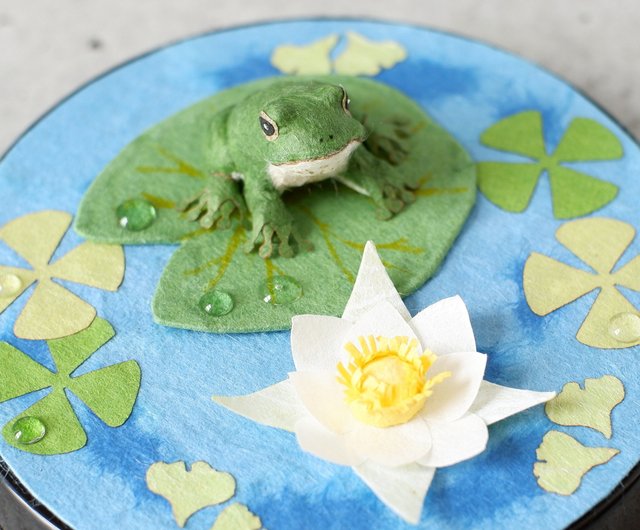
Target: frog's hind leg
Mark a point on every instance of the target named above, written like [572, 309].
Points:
[216, 204]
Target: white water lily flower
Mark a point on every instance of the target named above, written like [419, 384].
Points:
[393, 397]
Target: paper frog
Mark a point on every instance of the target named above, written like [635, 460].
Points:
[289, 133]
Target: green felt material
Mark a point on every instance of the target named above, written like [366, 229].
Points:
[109, 392]
[169, 164]
[511, 185]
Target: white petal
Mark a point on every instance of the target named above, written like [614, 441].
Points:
[391, 446]
[496, 402]
[323, 397]
[402, 489]
[455, 395]
[371, 287]
[456, 441]
[382, 320]
[317, 341]
[276, 406]
[314, 438]
[445, 327]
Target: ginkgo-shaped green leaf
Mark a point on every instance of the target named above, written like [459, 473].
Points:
[360, 56]
[109, 392]
[510, 185]
[211, 284]
[53, 311]
[612, 322]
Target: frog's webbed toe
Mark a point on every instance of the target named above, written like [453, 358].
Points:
[215, 205]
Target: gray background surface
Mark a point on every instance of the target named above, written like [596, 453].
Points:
[48, 48]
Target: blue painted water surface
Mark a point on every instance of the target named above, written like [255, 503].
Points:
[465, 86]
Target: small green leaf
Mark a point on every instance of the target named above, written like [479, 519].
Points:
[64, 434]
[70, 352]
[576, 194]
[237, 517]
[508, 185]
[564, 462]
[586, 139]
[589, 407]
[109, 392]
[520, 133]
[19, 374]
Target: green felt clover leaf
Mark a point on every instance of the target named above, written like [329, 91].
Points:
[212, 284]
[109, 392]
[510, 185]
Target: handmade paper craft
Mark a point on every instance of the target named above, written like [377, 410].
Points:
[313, 58]
[53, 311]
[591, 407]
[50, 426]
[210, 284]
[361, 56]
[612, 322]
[190, 490]
[564, 461]
[510, 185]
[366, 57]
[237, 517]
[393, 397]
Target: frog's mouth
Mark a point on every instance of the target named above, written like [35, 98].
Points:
[300, 172]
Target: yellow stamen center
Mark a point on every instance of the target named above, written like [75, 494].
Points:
[385, 380]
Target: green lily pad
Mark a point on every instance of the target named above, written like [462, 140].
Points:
[166, 165]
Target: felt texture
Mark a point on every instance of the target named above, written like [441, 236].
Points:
[564, 461]
[109, 392]
[365, 57]
[337, 222]
[440, 432]
[189, 490]
[510, 185]
[237, 517]
[600, 243]
[589, 407]
[312, 58]
[358, 56]
[53, 311]
[465, 86]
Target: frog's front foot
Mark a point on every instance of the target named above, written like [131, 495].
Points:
[273, 228]
[216, 204]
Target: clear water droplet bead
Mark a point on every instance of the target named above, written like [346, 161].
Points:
[10, 284]
[625, 327]
[216, 303]
[279, 290]
[136, 214]
[28, 430]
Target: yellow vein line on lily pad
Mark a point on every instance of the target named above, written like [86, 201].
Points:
[588, 407]
[612, 322]
[189, 490]
[52, 311]
[510, 185]
[563, 462]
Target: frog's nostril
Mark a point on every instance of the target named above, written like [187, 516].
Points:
[321, 140]
[331, 137]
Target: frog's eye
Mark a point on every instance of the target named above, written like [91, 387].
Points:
[268, 126]
[346, 101]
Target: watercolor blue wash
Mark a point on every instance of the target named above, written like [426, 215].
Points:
[466, 87]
